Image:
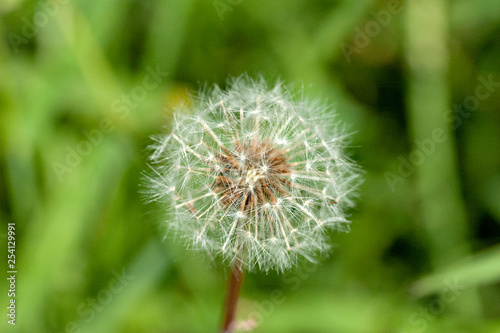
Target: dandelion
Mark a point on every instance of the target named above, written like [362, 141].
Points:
[254, 177]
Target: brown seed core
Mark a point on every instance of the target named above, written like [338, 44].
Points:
[252, 178]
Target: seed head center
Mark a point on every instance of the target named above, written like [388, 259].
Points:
[253, 176]
[259, 179]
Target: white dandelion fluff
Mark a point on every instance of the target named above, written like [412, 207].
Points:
[254, 176]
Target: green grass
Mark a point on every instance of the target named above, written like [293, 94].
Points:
[80, 225]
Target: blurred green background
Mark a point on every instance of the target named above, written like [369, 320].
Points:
[83, 84]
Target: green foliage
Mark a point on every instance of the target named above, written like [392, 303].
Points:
[84, 84]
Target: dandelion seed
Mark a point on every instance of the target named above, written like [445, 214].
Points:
[253, 151]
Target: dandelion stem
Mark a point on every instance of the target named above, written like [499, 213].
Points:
[233, 292]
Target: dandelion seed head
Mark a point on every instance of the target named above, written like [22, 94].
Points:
[220, 171]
